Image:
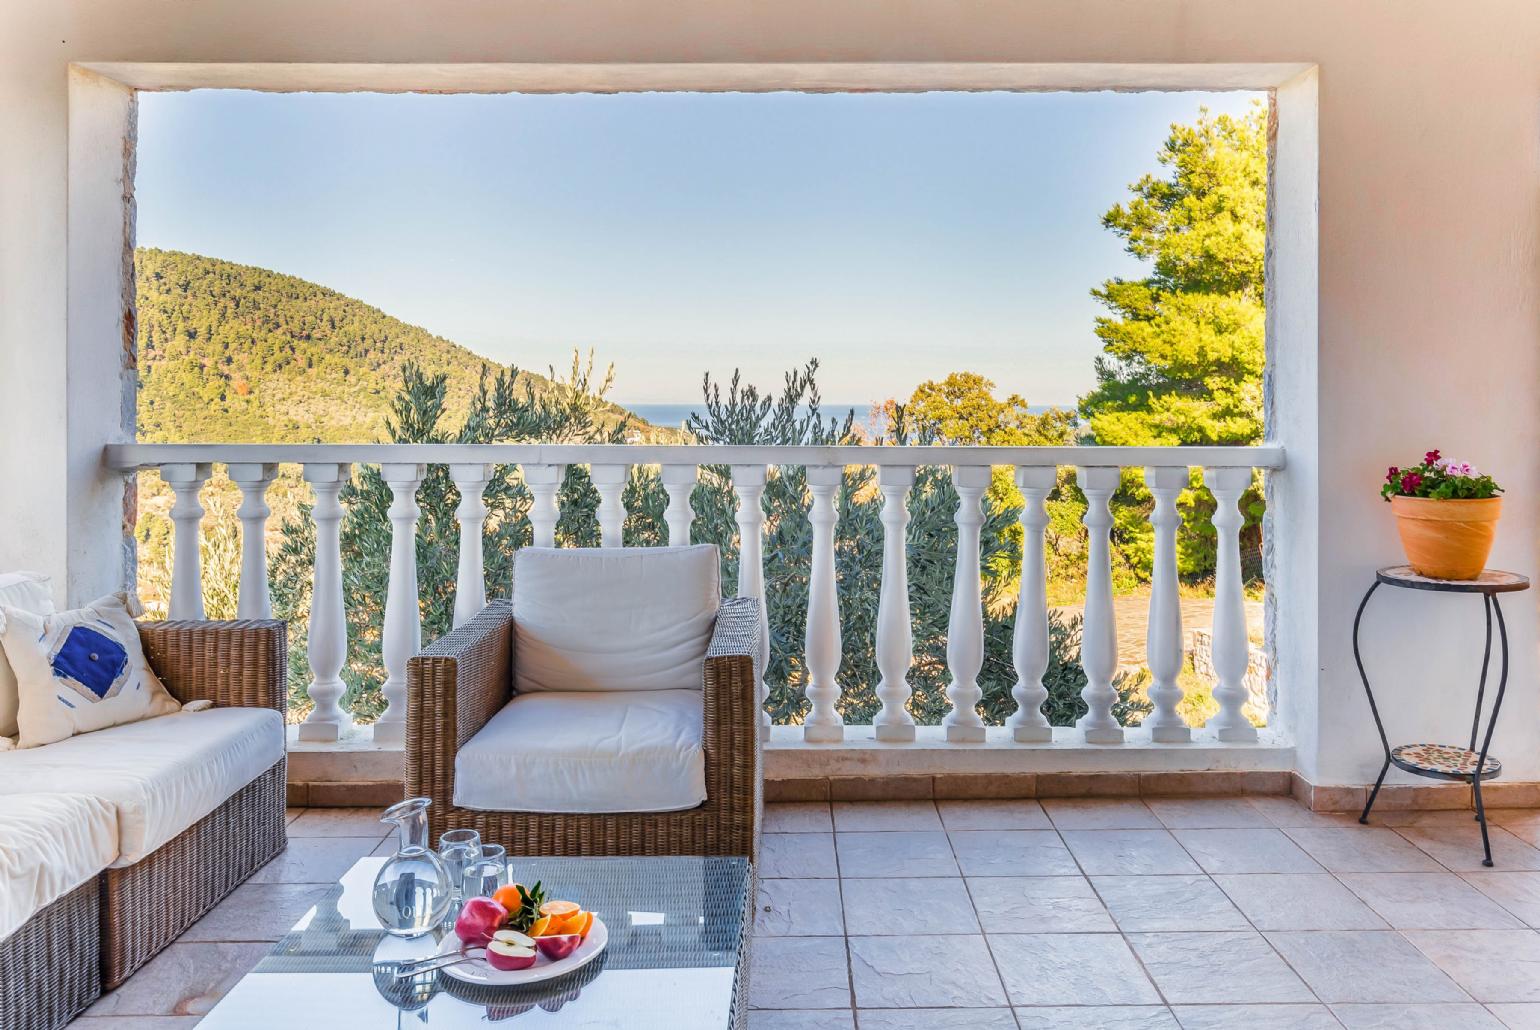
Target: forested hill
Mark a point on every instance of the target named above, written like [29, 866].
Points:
[234, 353]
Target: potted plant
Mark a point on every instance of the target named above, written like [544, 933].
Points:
[1446, 513]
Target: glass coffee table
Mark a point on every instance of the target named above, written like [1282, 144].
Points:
[676, 958]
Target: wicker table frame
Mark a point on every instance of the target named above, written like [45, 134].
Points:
[459, 682]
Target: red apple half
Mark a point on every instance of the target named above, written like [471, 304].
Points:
[559, 946]
[509, 957]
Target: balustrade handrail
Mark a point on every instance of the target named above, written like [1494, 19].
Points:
[1226, 471]
[127, 457]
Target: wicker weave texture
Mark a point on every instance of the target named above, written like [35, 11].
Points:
[50, 969]
[233, 664]
[457, 684]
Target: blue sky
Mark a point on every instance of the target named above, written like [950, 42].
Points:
[896, 237]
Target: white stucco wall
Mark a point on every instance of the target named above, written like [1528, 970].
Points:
[1429, 203]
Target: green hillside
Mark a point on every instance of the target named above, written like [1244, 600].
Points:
[232, 353]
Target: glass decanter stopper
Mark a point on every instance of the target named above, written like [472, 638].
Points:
[412, 892]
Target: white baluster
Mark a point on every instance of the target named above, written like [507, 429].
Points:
[1029, 643]
[470, 580]
[679, 481]
[610, 481]
[186, 480]
[749, 482]
[327, 642]
[253, 479]
[965, 628]
[402, 634]
[1231, 645]
[1163, 641]
[895, 636]
[823, 724]
[1099, 634]
[543, 482]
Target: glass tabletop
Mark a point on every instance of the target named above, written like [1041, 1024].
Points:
[676, 929]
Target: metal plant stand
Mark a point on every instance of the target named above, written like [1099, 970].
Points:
[1445, 761]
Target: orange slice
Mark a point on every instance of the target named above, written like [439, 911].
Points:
[580, 924]
[540, 927]
[560, 909]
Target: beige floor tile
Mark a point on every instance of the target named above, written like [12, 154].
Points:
[798, 817]
[1255, 1017]
[1429, 901]
[1458, 846]
[993, 815]
[257, 912]
[1236, 967]
[1245, 851]
[1364, 966]
[798, 908]
[801, 1019]
[1517, 892]
[1299, 901]
[1070, 969]
[799, 855]
[1491, 965]
[936, 1019]
[135, 1022]
[315, 859]
[1041, 904]
[339, 822]
[799, 973]
[1206, 813]
[886, 906]
[885, 815]
[895, 853]
[924, 972]
[1286, 812]
[185, 979]
[1361, 849]
[1464, 1015]
[1100, 814]
[1103, 1017]
[1011, 853]
[1156, 903]
[1128, 852]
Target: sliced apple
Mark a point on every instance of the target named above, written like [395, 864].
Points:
[560, 946]
[514, 937]
[508, 957]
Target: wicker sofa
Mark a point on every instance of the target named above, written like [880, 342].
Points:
[93, 937]
[458, 684]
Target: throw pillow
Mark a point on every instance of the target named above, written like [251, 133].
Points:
[28, 591]
[79, 670]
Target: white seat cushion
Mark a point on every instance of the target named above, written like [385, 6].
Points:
[589, 751]
[49, 845]
[162, 774]
[623, 618]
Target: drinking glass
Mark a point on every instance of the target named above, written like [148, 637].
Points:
[458, 849]
[485, 874]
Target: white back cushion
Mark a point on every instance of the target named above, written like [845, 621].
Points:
[29, 592]
[619, 618]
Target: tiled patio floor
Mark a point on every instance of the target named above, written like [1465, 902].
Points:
[1204, 913]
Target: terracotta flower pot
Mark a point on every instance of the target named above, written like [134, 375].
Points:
[1447, 539]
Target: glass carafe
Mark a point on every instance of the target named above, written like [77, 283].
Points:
[412, 892]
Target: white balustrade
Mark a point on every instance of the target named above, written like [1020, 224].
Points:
[895, 635]
[1163, 639]
[1099, 633]
[610, 481]
[679, 482]
[965, 628]
[824, 724]
[327, 644]
[186, 481]
[470, 578]
[401, 636]
[1231, 644]
[253, 479]
[543, 481]
[749, 483]
[1029, 642]
[186, 468]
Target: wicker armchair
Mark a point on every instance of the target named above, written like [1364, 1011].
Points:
[458, 683]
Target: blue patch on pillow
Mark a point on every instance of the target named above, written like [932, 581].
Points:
[90, 661]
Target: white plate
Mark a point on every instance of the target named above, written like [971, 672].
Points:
[481, 973]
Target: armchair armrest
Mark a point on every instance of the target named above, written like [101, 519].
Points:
[731, 733]
[453, 687]
[241, 664]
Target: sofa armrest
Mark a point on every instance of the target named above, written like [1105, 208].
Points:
[242, 664]
[453, 687]
[732, 721]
